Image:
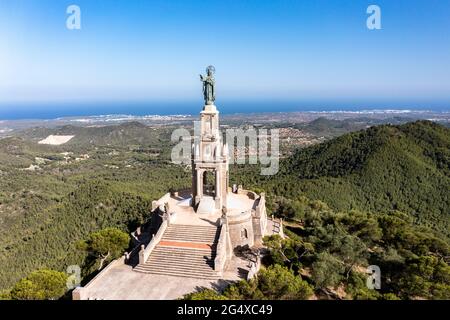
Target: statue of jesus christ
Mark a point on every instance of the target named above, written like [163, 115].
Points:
[208, 85]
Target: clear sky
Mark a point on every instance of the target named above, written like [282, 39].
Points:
[311, 51]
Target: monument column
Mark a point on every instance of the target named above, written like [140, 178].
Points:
[209, 152]
[218, 192]
[198, 186]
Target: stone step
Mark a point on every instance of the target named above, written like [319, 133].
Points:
[186, 268]
[210, 276]
[175, 261]
[184, 261]
[204, 234]
[180, 259]
[188, 239]
[160, 248]
[192, 227]
[162, 254]
[183, 251]
[203, 268]
[182, 231]
[179, 263]
[178, 253]
[212, 234]
[180, 266]
[187, 274]
[182, 256]
[169, 263]
[188, 235]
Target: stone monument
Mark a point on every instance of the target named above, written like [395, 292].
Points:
[208, 85]
[192, 233]
[210, 155]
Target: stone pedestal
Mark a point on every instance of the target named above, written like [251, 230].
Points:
[209, 156]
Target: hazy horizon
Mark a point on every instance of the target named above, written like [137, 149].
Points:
[85, 109]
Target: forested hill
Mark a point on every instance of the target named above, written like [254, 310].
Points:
[125, 134]
[384, 168]
[422, 142]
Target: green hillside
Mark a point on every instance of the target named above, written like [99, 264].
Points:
[379, 172]
[333, 128]
[126, 134]
[373, 197]
[381, 169]
[45, 211]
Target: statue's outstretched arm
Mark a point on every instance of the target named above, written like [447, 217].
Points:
[201, 78]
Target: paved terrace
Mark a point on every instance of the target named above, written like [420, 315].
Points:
[122, 283]
[185, 214]
[119, 282]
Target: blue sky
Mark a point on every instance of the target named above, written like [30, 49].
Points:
[307, 51]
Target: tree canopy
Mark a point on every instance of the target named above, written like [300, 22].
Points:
[106, 244]
[40, 285]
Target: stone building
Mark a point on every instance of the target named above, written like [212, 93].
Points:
[209, 164]
[243, 211]
[231, 219]
[193, 233]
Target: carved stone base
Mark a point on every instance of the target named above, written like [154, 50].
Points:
[210, 108]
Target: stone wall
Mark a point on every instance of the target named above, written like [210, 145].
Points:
[83, 293]
[260, 220]
[241, 229]
[224, 248]
[145, 252]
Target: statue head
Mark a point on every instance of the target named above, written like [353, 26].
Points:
[210, 70]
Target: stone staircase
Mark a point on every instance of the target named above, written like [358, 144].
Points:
[184, 251]
[191, 233]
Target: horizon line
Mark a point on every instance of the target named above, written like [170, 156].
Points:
[184, 115]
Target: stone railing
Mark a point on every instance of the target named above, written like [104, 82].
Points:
[145, 252]
[252, 195]
[281, 230]
[223, 249]
[259, 219]
[160, 205]
[277, 225]
[254, 269]
[260, 211]
[261, 206]
[160, 201]
[84, 293]
[129, 255]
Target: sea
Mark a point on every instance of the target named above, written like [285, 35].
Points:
[18, 111]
